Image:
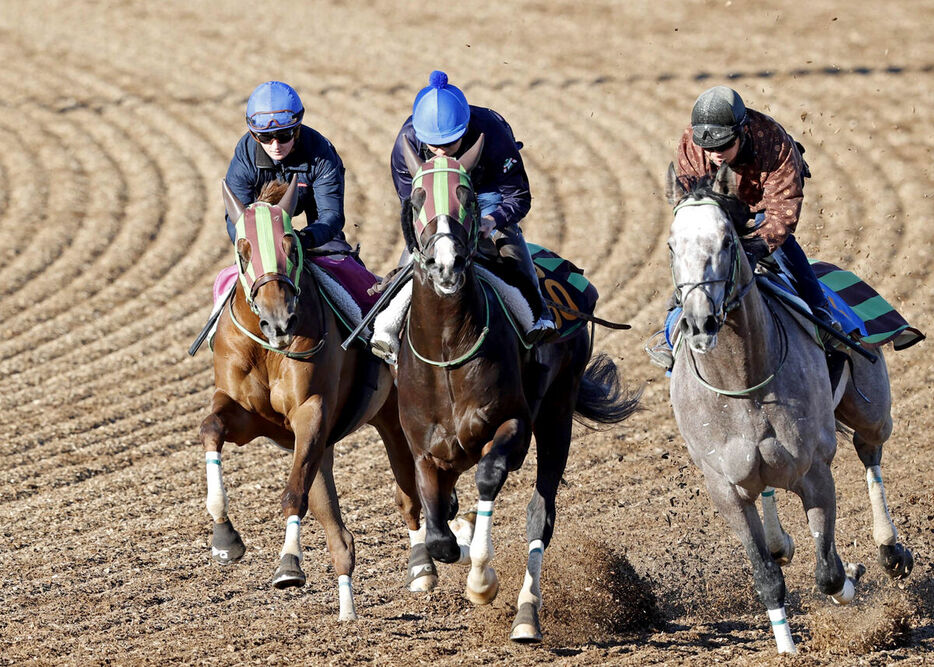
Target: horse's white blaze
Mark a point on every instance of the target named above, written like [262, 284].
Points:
[292, 543]
[217, 495]
[348, 612]
[531, 585]
[782, 631]
[445, 250]
[883, 530]
[481, 547]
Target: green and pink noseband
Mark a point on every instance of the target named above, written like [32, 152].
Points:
[265, 227]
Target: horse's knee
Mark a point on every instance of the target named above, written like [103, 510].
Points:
[491, 475]
[294, 503]
[212, 430]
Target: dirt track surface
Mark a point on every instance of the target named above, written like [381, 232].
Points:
[119, 122]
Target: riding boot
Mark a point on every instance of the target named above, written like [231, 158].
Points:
[387, 326]
[512, 247]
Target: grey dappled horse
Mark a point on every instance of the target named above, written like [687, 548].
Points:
[752, 398]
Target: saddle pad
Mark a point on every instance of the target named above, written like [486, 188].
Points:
[352, 276]
[224, 281]
[564, 283]
[877, 321]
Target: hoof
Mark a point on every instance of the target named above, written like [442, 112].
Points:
[289, 573]
[896, 560]
[463, 526]
[226, 545]
[854, 571]
[526, 629]
[422, 576]
[486, 592]
[787, 552]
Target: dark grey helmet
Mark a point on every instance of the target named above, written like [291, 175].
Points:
[717, 116]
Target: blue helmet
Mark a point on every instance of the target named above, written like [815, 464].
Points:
[273, 106]
[440, 113]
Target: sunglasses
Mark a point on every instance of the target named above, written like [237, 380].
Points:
[725, 147]
[283, 137]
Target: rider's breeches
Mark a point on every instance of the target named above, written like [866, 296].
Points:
[792, 260]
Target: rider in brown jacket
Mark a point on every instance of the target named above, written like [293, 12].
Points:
[770, 173]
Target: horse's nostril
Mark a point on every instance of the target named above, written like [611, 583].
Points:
[710, 325]
[263, 324]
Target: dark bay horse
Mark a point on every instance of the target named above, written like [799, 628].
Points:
[471, 393]
[280, 372]
[752, 397]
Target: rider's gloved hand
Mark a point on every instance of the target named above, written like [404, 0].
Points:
[755, 248]
[487, 226]
[307, 236]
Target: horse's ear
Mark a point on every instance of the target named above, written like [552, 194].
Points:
[674, 191]
[233, 205]
[724, 182]
[289, 199]
[412, 162]
[470, 159]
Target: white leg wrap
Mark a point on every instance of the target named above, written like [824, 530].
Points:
[417, 536]
[846, 594]
[292, 543]
[782, 631]
[883, 530]
[531, 586]
[481, 546]
[388, 324]
[463, 533]
[348, 612]
[217, 495]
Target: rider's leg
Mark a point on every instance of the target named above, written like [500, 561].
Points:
[512, 247]
[387, 326]
[794, 262]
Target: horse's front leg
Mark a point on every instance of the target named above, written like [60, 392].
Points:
[504, 453]
[227, 422]
[818, 495]
[780, 543]
[307, 421]
[435, 489]
[743, 519]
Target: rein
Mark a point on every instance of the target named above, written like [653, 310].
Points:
[464, 357]
[306, 354]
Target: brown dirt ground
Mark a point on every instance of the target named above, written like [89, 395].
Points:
[120, 119]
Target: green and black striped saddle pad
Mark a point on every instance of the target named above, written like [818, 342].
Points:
[564, 284]
[862, 310]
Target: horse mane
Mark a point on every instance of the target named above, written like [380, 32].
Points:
[703, 188]
[272, 192]
[408, 230]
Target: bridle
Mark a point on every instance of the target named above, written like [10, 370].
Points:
[733, 292]
[466, 247]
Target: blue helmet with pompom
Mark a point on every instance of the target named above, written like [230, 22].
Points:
[273, 106]
[440, 113]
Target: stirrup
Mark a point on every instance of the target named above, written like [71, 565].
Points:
[544, 330]
[659, 352]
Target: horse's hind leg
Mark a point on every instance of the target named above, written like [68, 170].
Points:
[818, 495]
[552, 441]
[323, 502]
[227, 422]
[872, 425]
[780, 543]
[743, 519]
[422, 575]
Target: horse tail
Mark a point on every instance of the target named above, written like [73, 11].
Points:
[601, 397]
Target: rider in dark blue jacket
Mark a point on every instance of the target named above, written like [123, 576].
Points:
[277, 146]
[443, 124]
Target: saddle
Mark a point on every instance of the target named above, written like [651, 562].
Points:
[570, 295]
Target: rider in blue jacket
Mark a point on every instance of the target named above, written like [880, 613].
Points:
[444, 124]
[276, 146]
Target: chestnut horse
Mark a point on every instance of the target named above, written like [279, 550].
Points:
[472, 393]
[280, 372]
